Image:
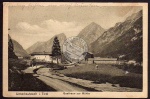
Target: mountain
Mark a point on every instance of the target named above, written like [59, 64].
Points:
[18, 49]
[34, 47]
[46, 46]
[125, 38]
[90, 33]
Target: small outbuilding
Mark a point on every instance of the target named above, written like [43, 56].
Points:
[88, 55]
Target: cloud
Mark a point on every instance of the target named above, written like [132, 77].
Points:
[28, 28]
[57, 27]
[50, 27]
[27, 34]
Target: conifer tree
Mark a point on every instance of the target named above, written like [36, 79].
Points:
[56, 51]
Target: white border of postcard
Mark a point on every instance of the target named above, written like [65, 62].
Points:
[142, 94]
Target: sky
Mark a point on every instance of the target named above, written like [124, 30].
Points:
[30, 24]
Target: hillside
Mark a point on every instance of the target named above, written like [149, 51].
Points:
[123, 39]
[18, 49]
[90, 33]
[34, 46]
[46, 46]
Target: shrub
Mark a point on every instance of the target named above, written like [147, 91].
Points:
[55, 66]
[131, 68]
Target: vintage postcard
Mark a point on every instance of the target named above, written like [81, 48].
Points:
[95, 50]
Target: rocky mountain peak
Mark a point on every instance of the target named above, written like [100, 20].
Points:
[94, 25]
[90, 33]
[134, 16]
[124, 38]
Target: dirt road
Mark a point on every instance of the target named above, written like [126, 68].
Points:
[57, 84]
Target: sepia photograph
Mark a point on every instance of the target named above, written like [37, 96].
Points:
[75, 50]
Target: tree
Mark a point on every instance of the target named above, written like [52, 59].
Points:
[11, 53]
[56, 51]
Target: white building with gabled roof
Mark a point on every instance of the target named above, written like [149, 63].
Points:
[42, 56]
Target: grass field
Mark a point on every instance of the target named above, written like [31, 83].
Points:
[104, 73]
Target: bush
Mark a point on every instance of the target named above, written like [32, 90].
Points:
[127, 81]
[26, 82]
[18, 81]
[55, 66]
[18, 64]
[131, 68]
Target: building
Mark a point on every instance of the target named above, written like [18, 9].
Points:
[88, 55]
[42, 56]
[100, 60]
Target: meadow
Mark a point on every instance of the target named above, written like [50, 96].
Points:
[105, 73]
